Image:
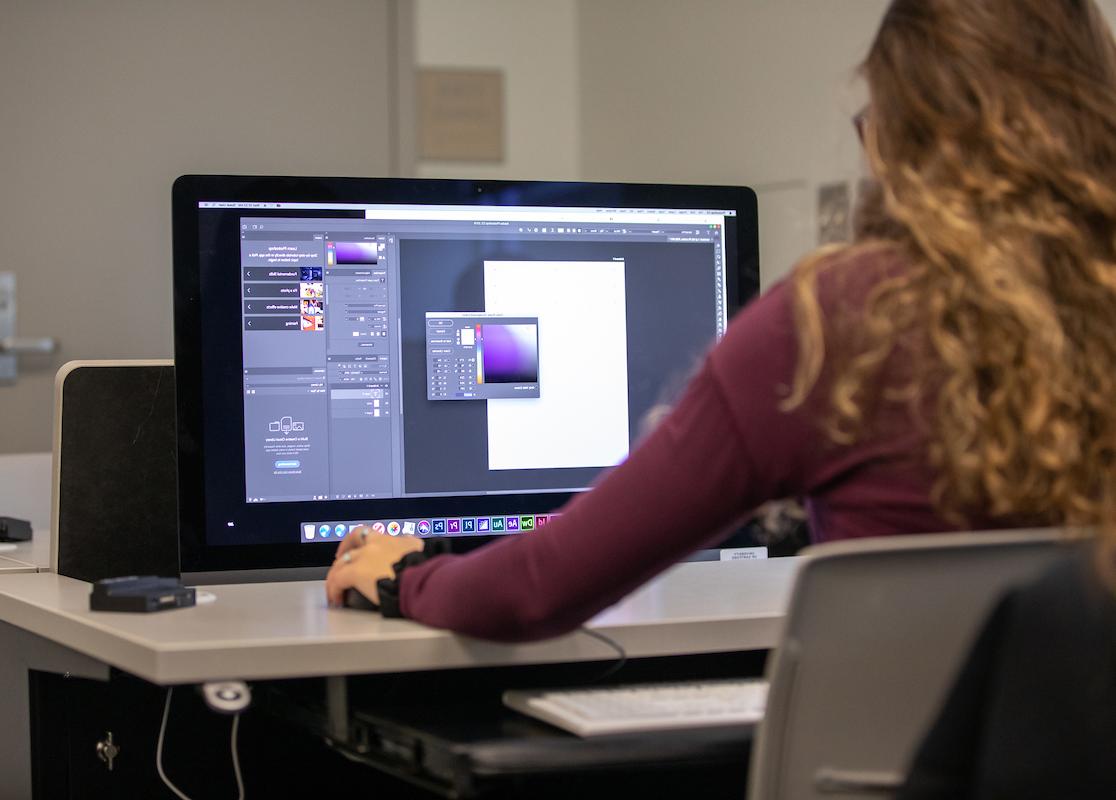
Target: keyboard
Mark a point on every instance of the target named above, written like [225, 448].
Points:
[637, 708]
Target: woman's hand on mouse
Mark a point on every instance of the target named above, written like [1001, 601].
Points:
[364, 557]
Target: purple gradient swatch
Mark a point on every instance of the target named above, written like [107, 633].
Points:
[510, 353]
[356, 252]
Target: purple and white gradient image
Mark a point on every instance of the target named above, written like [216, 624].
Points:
[509, 353]
[356, 252]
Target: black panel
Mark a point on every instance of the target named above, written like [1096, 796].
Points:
[117, 512]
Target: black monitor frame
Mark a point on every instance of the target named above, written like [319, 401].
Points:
[223, 563]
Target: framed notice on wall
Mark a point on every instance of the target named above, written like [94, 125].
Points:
[460, 114]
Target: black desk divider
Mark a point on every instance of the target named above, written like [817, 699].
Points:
[115, 462]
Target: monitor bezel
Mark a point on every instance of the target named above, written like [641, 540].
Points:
[210, 562]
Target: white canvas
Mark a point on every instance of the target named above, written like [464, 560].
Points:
[581, 417]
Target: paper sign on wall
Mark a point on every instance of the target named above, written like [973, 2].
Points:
[460, 115]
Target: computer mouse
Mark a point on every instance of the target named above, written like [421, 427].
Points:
[354, 599]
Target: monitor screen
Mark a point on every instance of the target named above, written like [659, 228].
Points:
[437, 358]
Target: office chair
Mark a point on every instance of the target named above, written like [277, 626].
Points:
[874, 634]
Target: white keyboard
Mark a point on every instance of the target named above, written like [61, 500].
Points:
[644, 707]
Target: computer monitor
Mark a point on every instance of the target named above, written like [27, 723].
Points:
[448, 359]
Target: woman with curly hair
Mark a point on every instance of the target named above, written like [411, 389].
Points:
[953, 368]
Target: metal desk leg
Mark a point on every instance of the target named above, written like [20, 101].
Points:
[337, 704]
[20, 652]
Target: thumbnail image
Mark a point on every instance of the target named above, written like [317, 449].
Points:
[312, 307]
[311, 290]
[508, 353]
[313, 322]
[311, 274]
[356, 252]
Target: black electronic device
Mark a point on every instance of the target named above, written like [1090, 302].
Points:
[354, 598]
[449, 733]
[438, 358]
[140, 593]
[14, 530]
[115, 460]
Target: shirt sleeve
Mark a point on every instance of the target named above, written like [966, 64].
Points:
[723, 450]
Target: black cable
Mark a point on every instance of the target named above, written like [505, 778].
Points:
[622, 656]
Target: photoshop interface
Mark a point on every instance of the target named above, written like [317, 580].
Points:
[430, 351]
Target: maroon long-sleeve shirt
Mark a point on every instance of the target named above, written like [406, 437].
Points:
[725, 449]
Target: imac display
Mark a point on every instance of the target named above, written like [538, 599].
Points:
[439, 358]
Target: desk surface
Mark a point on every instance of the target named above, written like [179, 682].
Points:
[25, 481]
[285, 630]
[282, 630]
[9, 562]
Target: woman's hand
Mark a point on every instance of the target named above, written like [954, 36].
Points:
[362, 559]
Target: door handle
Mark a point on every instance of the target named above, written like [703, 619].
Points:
[12, 346]
[857, 782]
[15, 346]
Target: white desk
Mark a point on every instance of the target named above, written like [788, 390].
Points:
[25, 481]
[285, 630]
[10, 565]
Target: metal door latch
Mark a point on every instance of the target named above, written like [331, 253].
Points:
[107, 750]
[11, 346]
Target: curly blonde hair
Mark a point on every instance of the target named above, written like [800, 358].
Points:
[992, 134]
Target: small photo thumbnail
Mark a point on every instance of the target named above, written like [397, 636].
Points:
[311, 290]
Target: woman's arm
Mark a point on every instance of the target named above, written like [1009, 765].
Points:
[724, 449]
[679, 489]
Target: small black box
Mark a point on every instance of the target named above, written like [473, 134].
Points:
[14, 530]
[140, 593]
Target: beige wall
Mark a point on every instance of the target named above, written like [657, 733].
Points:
[105, 103]
[534, 42]
[720, 91]
[758, 92]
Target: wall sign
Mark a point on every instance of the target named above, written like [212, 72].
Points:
[460, 114]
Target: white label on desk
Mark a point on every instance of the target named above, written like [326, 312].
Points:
[739, 553]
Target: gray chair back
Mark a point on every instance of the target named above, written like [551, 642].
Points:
[875, 632]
